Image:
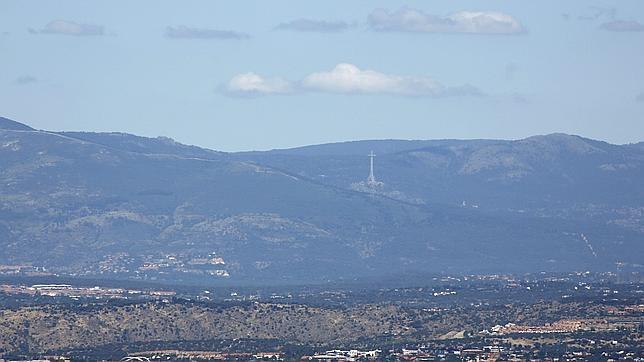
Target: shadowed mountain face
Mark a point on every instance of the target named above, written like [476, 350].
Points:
[118, 205]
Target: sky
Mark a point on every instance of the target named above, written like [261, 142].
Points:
[255, 75]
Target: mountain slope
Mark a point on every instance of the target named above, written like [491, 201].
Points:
[6, 123]
[118, 205]
[70, 201]
[132, 143]
[533, 173]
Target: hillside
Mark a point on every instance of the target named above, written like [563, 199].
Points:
[56, 329]
[6, 123]
[122, 206]
[540, 171]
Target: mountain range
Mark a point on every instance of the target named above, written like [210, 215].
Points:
[116, 205]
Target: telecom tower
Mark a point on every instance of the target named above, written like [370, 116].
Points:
[371, 180]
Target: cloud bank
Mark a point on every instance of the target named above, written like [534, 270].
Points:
[346, 78]
[64, 27]
[470, 22]
[623, 26]
[184, 32]
[319, 26]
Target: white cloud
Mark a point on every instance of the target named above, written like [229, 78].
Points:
[473, 22]
[64, 27]
[346, 79]
[251, 84]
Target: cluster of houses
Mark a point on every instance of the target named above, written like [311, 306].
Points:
[69, 291]
[563, 326]
[343, 355]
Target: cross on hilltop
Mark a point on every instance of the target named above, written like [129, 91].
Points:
[371, 179]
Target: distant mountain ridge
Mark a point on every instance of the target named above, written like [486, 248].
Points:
[138, 144]
[6, 123]
[361, 148]
[122, 206]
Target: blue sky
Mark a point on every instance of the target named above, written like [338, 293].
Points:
[240, 75]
